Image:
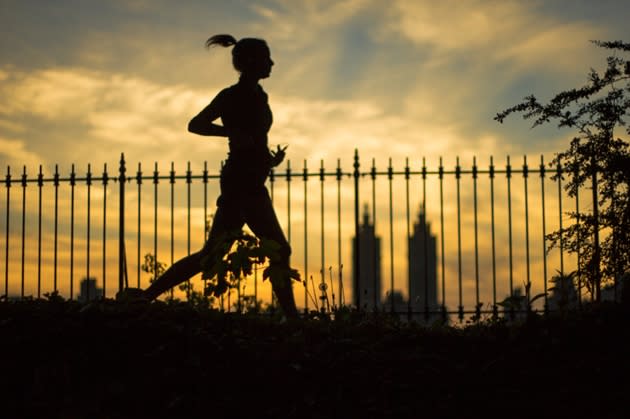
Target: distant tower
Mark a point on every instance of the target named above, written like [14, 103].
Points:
[422, 267]
[369, 264]
[89, 290]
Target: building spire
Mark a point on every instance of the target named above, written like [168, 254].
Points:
[422, 223]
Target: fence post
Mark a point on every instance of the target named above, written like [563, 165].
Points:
[357, 258]
[121, 224]
[6, 249]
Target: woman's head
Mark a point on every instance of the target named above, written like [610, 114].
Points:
[249, 56]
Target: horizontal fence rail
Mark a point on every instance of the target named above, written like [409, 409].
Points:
[361, 236]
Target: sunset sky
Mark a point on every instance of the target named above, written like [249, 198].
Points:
[83, 81]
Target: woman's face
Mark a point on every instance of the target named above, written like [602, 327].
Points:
[261, 63]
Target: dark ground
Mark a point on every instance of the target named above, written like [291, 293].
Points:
[115, 360]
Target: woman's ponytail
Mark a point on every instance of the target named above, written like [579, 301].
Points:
[245, 52]
[222, 40]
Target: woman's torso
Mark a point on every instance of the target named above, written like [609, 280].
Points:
[246, 111]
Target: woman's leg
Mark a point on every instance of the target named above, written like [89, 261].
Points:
[261, 218]
[179, 272]
[225, 219]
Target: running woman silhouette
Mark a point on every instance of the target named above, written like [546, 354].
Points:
[246, 119]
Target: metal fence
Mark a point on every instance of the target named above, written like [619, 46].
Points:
[490, 222]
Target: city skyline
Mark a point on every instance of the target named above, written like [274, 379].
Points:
[422, 279]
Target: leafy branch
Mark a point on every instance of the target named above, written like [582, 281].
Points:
[595, 159]
[235, 257]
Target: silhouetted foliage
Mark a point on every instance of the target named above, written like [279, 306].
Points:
[113, 360]
[241, 253]
[595, 159]
[518, 302]
[563, 295]
[153, 267]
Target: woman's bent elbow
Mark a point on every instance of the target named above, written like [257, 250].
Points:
[193, 126]
[196, 127]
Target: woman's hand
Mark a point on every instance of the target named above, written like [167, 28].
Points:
[277, 156]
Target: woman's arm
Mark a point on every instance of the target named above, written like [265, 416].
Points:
[203, 122]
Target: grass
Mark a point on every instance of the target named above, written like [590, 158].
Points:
[111, 360]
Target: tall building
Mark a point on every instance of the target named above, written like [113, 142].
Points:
[89, 291]
[369, 296]
[399, 302]
[422, 267]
